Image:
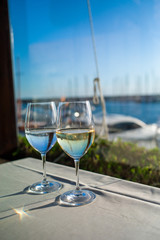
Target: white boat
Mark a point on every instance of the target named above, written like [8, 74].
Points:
[127, 128]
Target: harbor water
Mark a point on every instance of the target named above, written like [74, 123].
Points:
[148, 112]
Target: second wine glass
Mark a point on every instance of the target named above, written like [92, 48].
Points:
[75, 134]
[40, 130]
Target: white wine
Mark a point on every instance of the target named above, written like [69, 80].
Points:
[75, 142]
[41, 139]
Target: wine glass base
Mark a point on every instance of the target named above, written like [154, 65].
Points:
[77, 197]
[43, 188]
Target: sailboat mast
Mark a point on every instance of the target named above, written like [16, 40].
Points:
[104, 129]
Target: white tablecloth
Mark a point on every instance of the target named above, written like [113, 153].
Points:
[122, 210]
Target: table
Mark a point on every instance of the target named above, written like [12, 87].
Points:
[122, 210]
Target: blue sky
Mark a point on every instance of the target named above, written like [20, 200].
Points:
[53, 41]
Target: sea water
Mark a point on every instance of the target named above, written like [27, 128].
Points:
[147, 112]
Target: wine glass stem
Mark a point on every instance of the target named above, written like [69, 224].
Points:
[43, 156]
[76, 161]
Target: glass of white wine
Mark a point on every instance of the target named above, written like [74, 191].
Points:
[75, 134]
[40, 131]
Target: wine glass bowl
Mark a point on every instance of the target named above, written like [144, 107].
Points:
[40, 131]
[75, 134]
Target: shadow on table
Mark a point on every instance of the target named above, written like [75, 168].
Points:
[54, 203]
[26, 190]
[21, 211]
[41, 204]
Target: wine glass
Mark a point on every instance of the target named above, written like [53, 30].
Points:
[40, 131]
[75, 134]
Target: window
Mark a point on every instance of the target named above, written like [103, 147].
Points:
[123, 126]
[54, 59]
